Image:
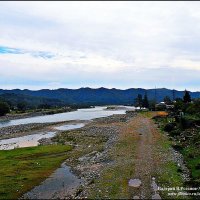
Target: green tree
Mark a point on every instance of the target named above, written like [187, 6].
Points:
[194, 108]
[152, 104]
[145, 102]
[138, 101]
[167, 100]
[186, 97]
[22, 106]
[4, 108]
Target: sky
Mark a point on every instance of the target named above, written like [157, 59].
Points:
[111, 44]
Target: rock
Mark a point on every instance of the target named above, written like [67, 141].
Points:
[136, 197]
[134, 183]
[156, 196]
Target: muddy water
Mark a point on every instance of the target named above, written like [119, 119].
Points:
[32, 140]
[24, 141]
[60, 184]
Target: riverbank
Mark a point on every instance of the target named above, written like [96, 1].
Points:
[33, 128]
[35, 113]
[185, 136]
[23, 168]
[110, 151]
[139, 151]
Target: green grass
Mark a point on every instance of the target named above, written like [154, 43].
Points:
[168, 174]
[113, 182]
[21, 169]
[189, 148]
[192, 157]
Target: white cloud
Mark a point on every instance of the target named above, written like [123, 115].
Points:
[99, 40]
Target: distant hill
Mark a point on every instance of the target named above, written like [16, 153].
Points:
[99, 96]
[31, 102]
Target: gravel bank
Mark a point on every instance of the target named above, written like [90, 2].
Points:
[89, 165]
[32, 128]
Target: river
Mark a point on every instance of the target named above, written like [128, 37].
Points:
[33, 139]
[80, 114]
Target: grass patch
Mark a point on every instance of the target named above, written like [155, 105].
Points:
[113, 182]
[192, 157]
[21, 169]
[168, 174]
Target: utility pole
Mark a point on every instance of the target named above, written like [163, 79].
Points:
[155, 98]
[155, 95]
[173, 94]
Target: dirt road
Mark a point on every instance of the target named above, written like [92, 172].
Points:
[145, 162]
[142, 160]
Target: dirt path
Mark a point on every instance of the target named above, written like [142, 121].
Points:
[141, 160]
[145, 164]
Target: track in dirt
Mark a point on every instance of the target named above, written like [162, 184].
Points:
[145, 162]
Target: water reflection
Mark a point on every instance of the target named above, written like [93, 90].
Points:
[60, 184]
[80, 114]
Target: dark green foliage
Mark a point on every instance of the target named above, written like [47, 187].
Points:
[167, 100]
[152, 104]
[160, 107]
[197, 166]
[32, 102]
[169, 127]
[4, 108]
[99, 96]
[194, 108]
[145, 102]
[175, 132]
[22, 106]
[187, 97]
[179, 105]
[44, 106]
[138, 101]
[185, 135]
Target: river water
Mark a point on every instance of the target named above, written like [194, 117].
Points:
[33, 139]
[60, 184]
[62, 181]
[80, 114]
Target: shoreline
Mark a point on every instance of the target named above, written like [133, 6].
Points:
[104, 148]
[33, 128]
[91, 146]
[34, 114]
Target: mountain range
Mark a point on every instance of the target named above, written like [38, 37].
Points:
[90, 96]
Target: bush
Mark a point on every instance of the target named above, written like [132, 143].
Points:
[4, 108]
[160, 107]
[194, 107]
[169, 127]
[175, 132]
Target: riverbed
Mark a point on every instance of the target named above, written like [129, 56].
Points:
[80, 114]
[32, 138]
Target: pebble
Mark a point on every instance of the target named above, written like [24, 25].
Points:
[134, 183]
[156, 196]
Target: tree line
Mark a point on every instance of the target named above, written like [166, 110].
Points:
[144, 102]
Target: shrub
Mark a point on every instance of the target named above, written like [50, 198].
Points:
[169, 127]
[4, 108]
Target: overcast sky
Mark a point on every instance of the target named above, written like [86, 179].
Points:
[100, 44]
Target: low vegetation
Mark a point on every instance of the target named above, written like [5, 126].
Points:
[4, 108]
[113, 182]
[23, 168]
[183, 127]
